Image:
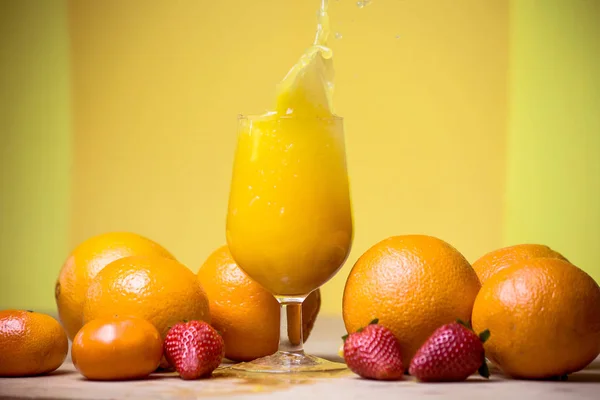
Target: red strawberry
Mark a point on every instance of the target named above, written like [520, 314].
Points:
[452, 353]
[194, 348]
[374, 352]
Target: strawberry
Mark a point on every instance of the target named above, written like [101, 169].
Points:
[374, 352]
[194, 348]
[452, 353]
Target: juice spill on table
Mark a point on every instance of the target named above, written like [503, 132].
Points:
[289, 223]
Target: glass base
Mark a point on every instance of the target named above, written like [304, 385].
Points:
[286, 363]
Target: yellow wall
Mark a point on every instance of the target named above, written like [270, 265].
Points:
[553, 190]
[158, 85]
[34, 151]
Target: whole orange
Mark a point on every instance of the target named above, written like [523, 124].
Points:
[544, 318]
[31, 343]
[413, 284]
[117, 348]
[86, 261]
[160, 290]
[497, 260]
[245, 313]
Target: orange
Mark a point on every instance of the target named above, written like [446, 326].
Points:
[117, 348]
[245, 313]
[497, 260]
[413, 284]
[544, 318]
[86, 261]
[30, 343]
[160, 290]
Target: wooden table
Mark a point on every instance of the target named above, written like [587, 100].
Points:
[66, 383]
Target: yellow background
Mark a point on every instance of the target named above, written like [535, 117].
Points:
[475, 121]
[35, 151]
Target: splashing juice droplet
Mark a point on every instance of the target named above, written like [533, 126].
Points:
[308, 86]
[363, 3]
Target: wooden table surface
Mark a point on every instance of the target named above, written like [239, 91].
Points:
[66, 383]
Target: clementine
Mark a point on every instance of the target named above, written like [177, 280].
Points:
[117, 348]
[31, 343]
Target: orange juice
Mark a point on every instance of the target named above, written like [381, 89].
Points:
[289, 222]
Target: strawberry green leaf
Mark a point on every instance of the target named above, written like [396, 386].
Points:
[485, 335]
[484, 370]
[465, 324]
[344, 337]
[29, 310]
[374, 322]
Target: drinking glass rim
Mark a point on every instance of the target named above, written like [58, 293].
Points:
[254, 117]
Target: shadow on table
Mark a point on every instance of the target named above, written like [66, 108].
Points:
[587, 376]
[152, 377]
[58, 372]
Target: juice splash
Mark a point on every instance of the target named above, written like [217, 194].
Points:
[307, 89]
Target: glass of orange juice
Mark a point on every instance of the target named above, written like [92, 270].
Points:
[289, 220]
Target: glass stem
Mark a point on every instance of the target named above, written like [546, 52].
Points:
[290, 327]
